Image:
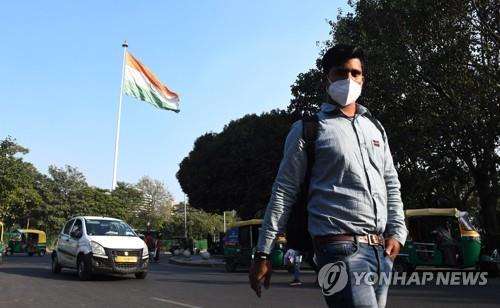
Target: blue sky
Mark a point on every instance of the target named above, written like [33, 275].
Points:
[61, 71]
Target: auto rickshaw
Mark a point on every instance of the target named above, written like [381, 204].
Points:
[439, 238]
[1, 242]
[28, 241]
[240, 241]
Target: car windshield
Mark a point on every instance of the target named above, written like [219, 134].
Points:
[108, 227]
[466, 222]
[15, 236]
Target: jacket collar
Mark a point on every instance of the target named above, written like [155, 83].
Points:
[334, 110]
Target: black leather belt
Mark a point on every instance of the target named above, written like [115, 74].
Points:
[370, 239]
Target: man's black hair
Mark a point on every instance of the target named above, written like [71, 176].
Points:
[339, 54]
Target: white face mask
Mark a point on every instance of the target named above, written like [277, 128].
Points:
[344, 92]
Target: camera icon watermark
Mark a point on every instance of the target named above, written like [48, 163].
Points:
[333, 278]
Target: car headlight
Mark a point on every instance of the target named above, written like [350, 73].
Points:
[97, 249]
[145, 251]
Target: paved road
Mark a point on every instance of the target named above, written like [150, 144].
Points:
[28, 282]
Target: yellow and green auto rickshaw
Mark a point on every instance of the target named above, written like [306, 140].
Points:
[439, 238]
[1, 242]
[28, 241]
[239, 245]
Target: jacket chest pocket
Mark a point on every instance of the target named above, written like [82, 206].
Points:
[376, 152]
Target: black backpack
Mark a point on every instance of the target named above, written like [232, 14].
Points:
[297, 233]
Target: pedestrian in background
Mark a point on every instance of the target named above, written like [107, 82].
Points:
[157, 248]
[149, 241]
[293, 258]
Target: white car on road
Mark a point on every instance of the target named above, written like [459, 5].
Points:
[94, 244]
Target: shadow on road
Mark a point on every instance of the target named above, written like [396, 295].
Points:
[65, 275]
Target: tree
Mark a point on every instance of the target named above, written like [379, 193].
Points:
[18, 198]
[235, 168]
[154, 205]
[28, 197]
[200, 224]
[126, 199]
[68, 186]
[435, 89]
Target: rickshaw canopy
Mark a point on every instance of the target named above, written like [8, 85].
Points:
[244, 223]
[42, 237]
[451, 212]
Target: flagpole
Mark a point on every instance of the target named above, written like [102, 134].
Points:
[115, 164]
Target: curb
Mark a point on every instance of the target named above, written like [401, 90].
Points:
[176, 261]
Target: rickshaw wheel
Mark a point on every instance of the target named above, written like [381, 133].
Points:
[56, 268]
[84, 268]
[41, 253]
[8, 253]
[141, 275]
[30, 254]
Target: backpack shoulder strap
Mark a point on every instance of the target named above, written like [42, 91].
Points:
[376, 123]
[310, 126]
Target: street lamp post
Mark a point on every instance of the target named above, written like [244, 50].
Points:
[224, 221]
[185, 218]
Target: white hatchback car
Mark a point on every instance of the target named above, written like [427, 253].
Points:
[94, 244]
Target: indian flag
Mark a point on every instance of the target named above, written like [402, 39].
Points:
[142, 84]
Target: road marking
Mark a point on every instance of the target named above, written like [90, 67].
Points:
[174, 302]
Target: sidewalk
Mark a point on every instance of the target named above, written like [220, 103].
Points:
[197, 260]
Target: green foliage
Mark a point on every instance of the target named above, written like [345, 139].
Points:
[154, 205]
[235, 168]
[200, 224]
[125, 200]
[18, 197]
[68, 187]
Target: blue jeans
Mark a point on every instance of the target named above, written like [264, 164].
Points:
[364, 270]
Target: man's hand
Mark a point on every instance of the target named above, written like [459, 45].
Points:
[392, 247]
[260, 271]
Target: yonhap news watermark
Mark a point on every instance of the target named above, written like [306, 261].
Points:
[333, 278]
[422, 278]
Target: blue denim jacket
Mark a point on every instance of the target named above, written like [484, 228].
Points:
[354, 187]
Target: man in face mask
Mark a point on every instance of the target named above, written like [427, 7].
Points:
[345, 84]
[355, 213]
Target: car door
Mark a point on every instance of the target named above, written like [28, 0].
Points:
[62, 244]
[74, 237]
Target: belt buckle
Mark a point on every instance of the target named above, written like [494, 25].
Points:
[373, 240]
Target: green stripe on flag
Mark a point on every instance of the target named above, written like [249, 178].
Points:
[131, 89]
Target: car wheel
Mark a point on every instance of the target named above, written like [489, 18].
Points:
[230, 265]
[41, 253]
[141, 275]
[56, 268]
[84, 268]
